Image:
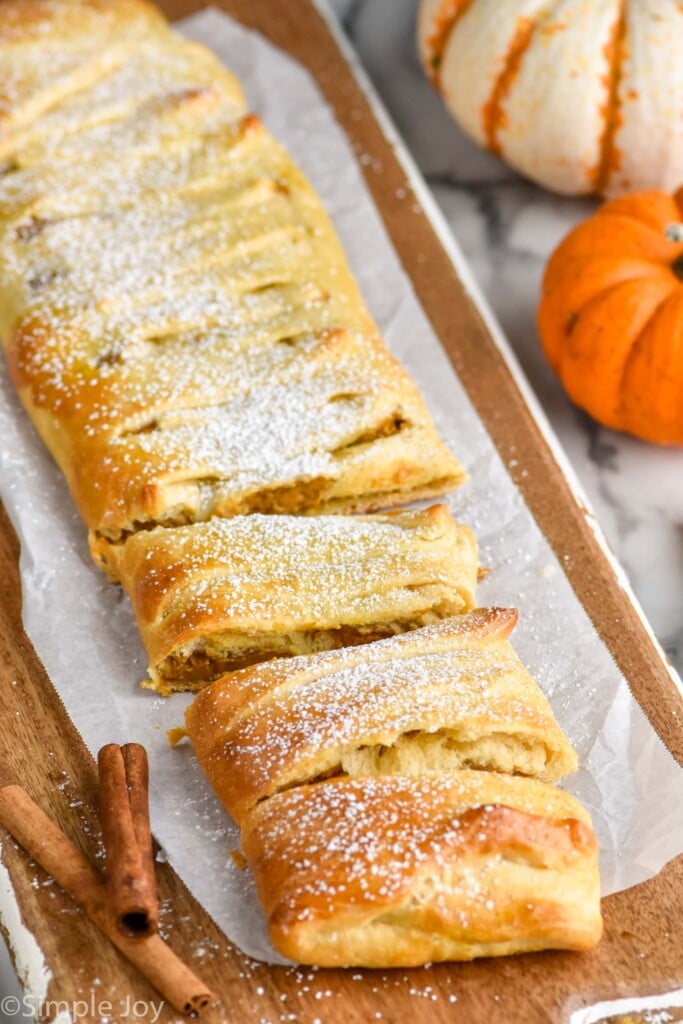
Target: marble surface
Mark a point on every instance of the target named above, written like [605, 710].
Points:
[507, 228]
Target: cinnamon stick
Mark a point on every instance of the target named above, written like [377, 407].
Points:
[57, 855]
[129, 857]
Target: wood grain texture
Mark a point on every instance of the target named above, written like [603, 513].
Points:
[642, 952]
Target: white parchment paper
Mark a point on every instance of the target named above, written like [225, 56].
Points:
[84, 632]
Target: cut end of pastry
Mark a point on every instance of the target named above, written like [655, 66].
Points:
[106, 547]
[214, 597]
[209, 660]
[398, 872]
[442, 698]
[388, 461]
[422, 753]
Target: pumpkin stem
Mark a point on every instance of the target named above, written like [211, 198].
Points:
[674, 233]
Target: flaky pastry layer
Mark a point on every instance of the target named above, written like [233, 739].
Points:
[448, 696]
[223, 594]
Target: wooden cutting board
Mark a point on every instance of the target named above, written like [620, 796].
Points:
[642, 952]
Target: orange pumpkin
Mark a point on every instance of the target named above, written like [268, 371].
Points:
[611, 315]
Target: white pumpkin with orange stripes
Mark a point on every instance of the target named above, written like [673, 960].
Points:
[582, 96]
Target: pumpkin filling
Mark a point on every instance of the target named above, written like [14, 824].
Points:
[212, 657]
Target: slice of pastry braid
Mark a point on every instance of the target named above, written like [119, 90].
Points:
[218, 595]
[400, 871]
[448, 696]
[178, 315]
[371, 840]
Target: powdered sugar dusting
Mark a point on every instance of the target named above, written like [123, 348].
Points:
[174, 296]
[375, 836]
[376, 703]
[267, 576]
[274, 725]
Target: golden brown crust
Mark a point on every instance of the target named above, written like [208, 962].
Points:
[395, 872]
[179, 318]
[214, 596]
[25, 23]
[451, 695]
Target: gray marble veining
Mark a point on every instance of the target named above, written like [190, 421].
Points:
[507, 228]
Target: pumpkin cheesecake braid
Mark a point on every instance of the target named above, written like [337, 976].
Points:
[177, 313]
[214, 596]
[394, 799]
